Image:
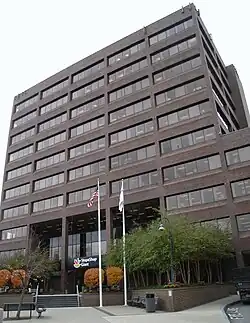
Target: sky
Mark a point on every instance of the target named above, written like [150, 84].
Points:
[38, 38]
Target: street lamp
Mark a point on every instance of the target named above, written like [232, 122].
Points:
[171, 242]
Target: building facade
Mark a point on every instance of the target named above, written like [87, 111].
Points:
[159, 109]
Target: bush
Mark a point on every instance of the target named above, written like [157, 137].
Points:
[114, 276]
[4, 277]
[17, 278]
[91, 277]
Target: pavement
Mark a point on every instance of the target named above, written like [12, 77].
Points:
[211, 312]
[238, 311]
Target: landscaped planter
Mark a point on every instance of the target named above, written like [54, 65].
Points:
[108, 298]
[178, 299]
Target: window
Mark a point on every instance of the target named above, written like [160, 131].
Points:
[84, 195]
[132, 157]
[87, 170]
[14, 233]
[180, 91]
[74, 245]
[25, 104]
[184, 114]
[191, 139]
[177, 69]
[88, 126]
[17, 172]
[87, 89]
[135, 67]
[51, 141]
[17, 191]
[170, 31]
[126, 53]
[243, 222]
[131, 183]
[55, 248]
[50, 161]
[24, 119]
[191, 168]
[223, 224]
[87, 148]
[49, 181]
[129, 89]
[130, 110]
[54, 105]
[20, 210]
[89, 106]
[173, 50]
[132, 132]
[241, 188]
[204, 196]
[7, 254]
[22, 136]
[51, 203]
[55, 88]
[53, 122]
[88, 71]
[21, 153]
[92, 243]
[239, 155]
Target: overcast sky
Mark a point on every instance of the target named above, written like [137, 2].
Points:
[41, 37]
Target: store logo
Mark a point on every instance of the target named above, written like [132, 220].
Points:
[84, 262]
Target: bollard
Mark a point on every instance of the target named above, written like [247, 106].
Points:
[1, 315]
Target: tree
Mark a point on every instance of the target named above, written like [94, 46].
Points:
[4, 277]
[35, 263]
[91, 277]
[114, 275]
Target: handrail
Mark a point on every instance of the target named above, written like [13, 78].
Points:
[78, 295]
[37, 291]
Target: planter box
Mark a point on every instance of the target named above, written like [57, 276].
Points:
[108, 299]
[14, 298]
[178, 299]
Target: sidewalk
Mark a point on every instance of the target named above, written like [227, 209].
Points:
[208, 313]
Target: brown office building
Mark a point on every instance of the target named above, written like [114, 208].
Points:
[158, 108]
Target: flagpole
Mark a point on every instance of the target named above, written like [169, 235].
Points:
[99, 243]
[124, 252]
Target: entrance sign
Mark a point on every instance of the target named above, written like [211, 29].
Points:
[85, 262]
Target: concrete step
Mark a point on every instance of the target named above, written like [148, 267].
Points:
[56, 301]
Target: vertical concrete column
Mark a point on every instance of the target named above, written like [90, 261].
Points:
[64, 253]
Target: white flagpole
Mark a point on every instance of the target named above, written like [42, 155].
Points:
[124, 244]
[99, 243]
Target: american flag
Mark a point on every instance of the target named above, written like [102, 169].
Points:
[93, 197]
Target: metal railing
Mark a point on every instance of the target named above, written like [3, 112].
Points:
[78, 295]
[37, 292]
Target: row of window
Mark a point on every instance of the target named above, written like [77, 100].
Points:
[48, 204]
[21, 153]
[85, 194]
[7, 254]
[170, 31]
[184, 114]
[223, 224]
[87, 148]
[20, 121]
[14, 233]
[180, 91]
[22, 136]
[188, 140]
[241, 188]
[130, 110]
[125, 71]
[132, 132]
[177, 70]
[55, 88]
[53, 122]
[192, 168]
[17, 191]
[88, 126]
[239, 155]
[87, 170]
[89, 106]
[53, 105]
[243, 222]
[88, 89]
[203, 196]
[17, 172]
[126, 53]
[128, 89]
[26, 103]
[51, 160]
[132, 156]
[88, 71]
[51, 141]
[49, 182]
[173, 50]
[16, 211]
